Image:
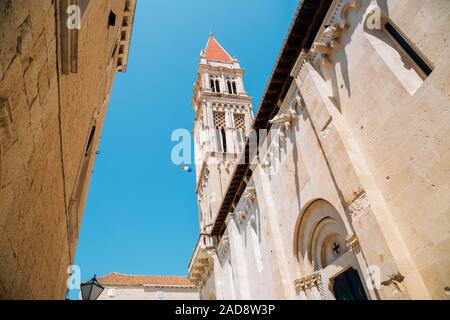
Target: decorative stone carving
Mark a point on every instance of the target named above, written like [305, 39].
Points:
[322, 48]
[286, 118]
[333, 32]
[309, 281]
[352, 243]
[359, 205]
[334, 29]
[304, 57]
[356, 4]
[250, 194]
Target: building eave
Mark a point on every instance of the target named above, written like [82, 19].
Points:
[126, 44]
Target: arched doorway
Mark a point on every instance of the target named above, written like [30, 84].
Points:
[327, 255]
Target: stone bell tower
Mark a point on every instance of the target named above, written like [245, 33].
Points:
[223, 117]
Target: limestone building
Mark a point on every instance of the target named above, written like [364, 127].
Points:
[56, 74]
[341, 190]
[139, 287]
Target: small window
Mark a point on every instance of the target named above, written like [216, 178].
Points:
[111, 19]
[230, 90]
[234, 87]
[127, 6]
[212, 85]
[404, 44]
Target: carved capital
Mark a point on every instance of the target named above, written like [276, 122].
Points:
[286, 118]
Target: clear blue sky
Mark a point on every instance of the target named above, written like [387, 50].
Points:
[141, 215]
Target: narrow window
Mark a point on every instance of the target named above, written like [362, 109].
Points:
[239, 124]
[230, 91]
[217, 86]
[80, 187]
[224, 139]
[111, 19]
[234, 87]
[404, 44]
[220, 125]
[211, 83]
[89, 144]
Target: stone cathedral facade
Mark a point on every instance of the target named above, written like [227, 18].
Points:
[339, 186]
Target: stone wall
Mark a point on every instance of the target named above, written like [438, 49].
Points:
[48, 123]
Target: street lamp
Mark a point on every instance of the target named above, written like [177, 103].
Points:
[91, 290]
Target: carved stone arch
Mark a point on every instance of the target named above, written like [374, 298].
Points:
[327, 234]
[314, 217]
[324, 246]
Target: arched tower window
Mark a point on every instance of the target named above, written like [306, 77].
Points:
[220, 125]
[212, 85]
[239, 124]
[230, 90]
[217, 85]
[224, 139]
[234, 87]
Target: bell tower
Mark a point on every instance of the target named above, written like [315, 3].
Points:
[223, 118]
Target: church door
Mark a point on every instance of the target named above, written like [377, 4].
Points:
[348, 286]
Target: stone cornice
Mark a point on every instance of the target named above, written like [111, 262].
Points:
[125, 35]
[221, 69]
[337, 23]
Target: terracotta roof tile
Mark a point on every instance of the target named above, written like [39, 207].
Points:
[140, 280]
[214, 51]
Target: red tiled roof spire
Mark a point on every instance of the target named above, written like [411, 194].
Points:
[214, 51]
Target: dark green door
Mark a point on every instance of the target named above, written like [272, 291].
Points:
[348, 286]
